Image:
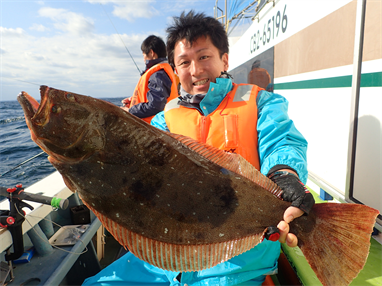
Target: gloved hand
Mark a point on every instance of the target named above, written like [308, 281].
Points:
[293, 190]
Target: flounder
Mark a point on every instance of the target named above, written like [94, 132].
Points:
[176, 203]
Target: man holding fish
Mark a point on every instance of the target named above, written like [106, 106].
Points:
[241, 119]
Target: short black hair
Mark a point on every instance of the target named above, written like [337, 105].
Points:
[192, 26]
[156, 44]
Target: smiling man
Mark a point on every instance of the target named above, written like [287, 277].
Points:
[238, 118]
[198, 64]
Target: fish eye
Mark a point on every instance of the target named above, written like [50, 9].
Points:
[70, 97]
[56, 109]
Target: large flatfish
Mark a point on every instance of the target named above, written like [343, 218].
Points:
[178, 204]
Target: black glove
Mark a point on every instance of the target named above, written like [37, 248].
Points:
[293, 190]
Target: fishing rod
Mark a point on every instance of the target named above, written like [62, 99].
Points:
[26, 81]
[121, 39]
[26, 161]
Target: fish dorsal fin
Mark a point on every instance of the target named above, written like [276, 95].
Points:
[230, 161]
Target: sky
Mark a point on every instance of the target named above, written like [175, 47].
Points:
[81, 45]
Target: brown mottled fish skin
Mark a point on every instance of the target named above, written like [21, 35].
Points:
[178, 204]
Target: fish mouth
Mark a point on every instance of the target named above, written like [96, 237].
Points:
[28, 103]
[31, 106]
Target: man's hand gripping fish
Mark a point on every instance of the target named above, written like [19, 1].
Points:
[178, 204]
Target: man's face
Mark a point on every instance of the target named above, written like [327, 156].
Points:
[149, 56]
[198, 65]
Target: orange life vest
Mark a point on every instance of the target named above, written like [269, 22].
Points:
[231, 127]
[140, 92]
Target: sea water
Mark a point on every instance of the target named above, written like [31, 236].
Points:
[16, 147]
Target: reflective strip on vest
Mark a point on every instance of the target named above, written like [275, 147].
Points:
[171, 105]
[243, 93]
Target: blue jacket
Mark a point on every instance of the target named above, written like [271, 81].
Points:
[250, 267]
[159, 90]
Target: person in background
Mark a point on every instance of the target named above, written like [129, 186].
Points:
[157, 85]
[238, 118]
[259, 76]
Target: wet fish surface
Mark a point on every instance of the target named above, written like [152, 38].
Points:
[178, 204]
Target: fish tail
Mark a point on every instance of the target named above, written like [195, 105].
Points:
[337, 242]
